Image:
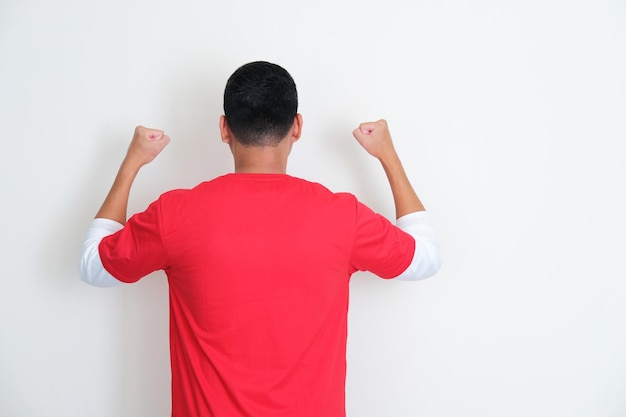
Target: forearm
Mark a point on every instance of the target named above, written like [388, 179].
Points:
[115, 204]
[404, 196]
[145, 146]
[376, 139]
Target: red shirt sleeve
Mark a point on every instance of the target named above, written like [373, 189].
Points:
[136, 250]
[379, 246]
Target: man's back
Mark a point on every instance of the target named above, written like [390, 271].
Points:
[258, 267]
[258, 262]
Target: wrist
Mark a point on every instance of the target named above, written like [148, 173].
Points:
[131, 165]
[389, 157]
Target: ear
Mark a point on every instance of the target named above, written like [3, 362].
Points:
[225, 130]
[296, 130]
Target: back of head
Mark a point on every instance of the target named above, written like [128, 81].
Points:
[260, 103]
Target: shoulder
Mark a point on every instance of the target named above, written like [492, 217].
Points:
[322, 190]
[339, 205]
[181, 194]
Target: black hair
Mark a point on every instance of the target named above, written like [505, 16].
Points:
[260, 103]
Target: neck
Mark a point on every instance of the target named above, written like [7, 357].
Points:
[261, 159]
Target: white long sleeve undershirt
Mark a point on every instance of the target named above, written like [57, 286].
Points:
[90, 267]
[426, 259]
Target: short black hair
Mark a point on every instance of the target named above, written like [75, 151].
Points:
[260, 103]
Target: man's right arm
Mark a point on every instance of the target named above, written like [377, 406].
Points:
[411, 216]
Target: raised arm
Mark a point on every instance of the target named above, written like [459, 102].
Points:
[376, 139]
[410, 212]
[144, 147]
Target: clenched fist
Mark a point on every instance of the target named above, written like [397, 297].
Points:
[375, 138]
[146, 145]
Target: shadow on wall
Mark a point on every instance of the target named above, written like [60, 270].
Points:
[139, 312]
[190, 116]
[192, 122]
[137, 315]
[352, 169]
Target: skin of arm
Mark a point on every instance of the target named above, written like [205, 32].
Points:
[375, 138]
[146, 144]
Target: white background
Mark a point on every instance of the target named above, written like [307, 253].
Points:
[510, 118]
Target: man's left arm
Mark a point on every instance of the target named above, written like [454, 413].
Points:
[411, 216]
[426, 260]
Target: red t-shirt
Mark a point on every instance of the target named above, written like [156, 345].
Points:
[258, 268]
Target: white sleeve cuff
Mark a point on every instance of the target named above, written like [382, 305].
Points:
[427, 257]
[90, 267]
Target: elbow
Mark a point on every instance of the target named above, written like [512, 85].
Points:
[84, 272]
[92, 277]
[426, 263]
[101, 279]
[91, 270]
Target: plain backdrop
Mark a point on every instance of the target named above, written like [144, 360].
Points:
[510, 117]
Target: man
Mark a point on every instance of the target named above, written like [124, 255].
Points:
[258, 262]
